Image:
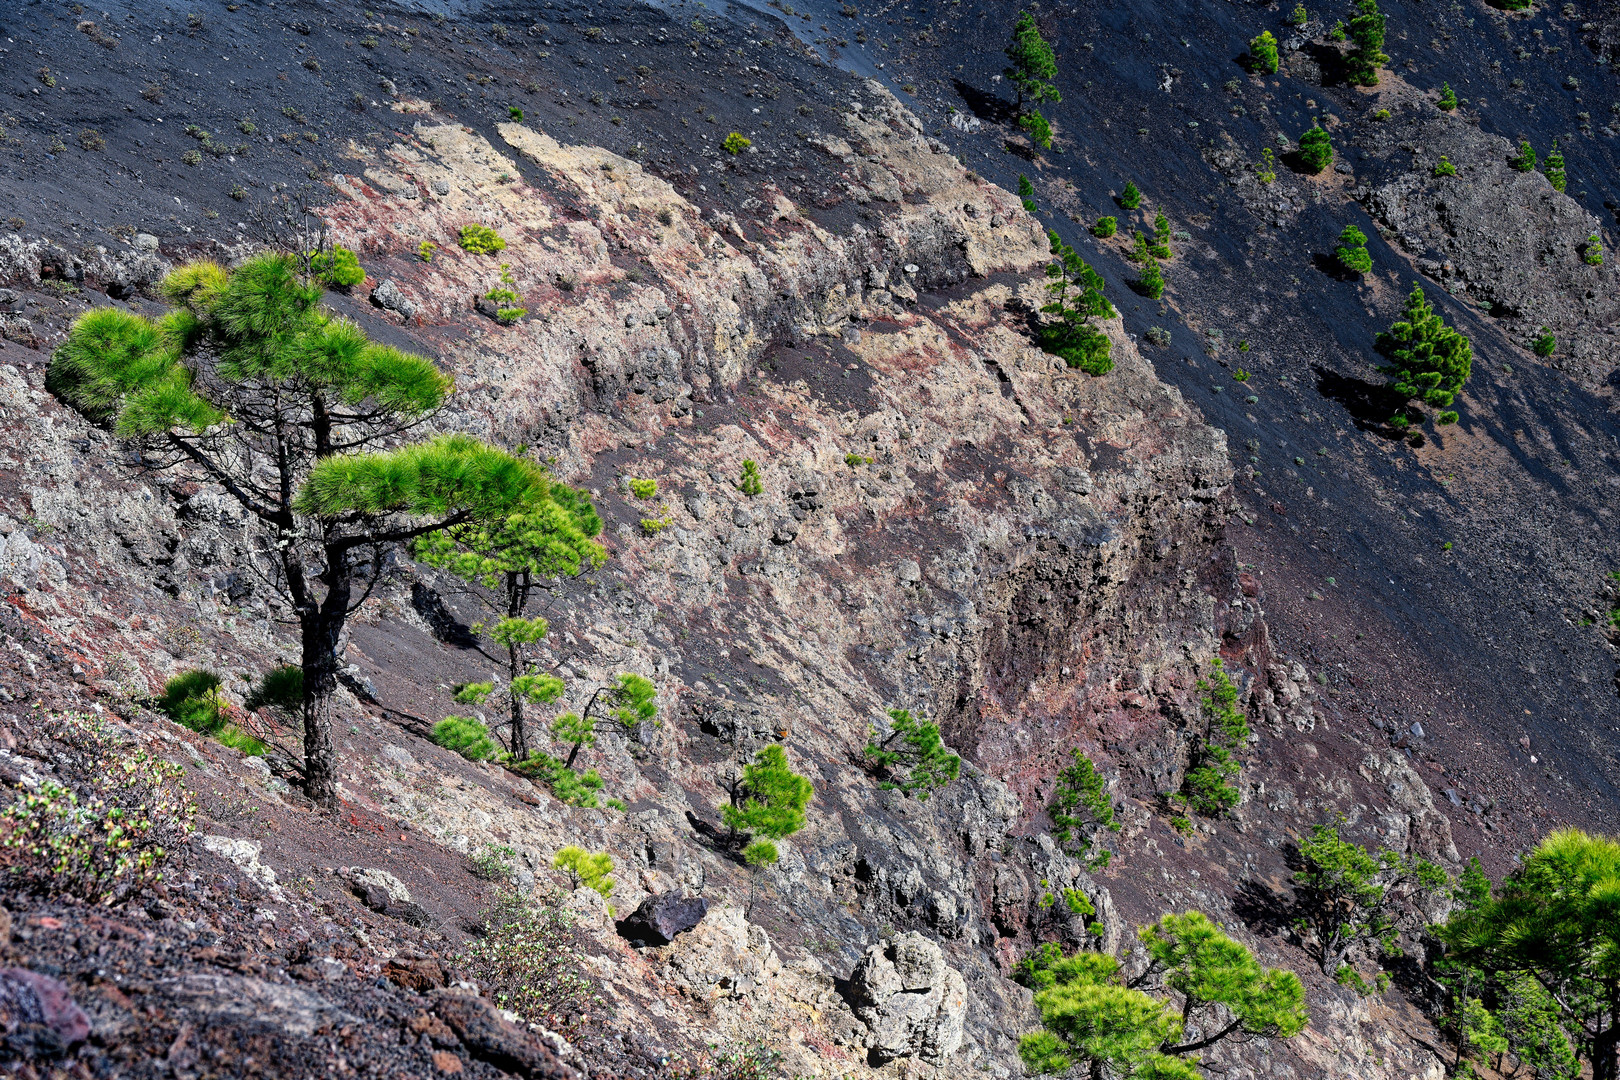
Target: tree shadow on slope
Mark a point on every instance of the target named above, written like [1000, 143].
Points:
[1370, 405]
[1263, 909]
[986, 106]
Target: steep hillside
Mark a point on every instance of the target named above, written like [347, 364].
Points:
[948, 520]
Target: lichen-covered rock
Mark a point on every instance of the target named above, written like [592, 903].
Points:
[911, 1001]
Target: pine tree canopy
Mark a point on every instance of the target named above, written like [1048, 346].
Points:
[1033, 64]
[1428, 359]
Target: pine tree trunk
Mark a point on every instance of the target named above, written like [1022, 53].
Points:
[520, 739]
[1606, 1043]
[320, 630]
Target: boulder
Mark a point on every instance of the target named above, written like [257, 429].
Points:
[661, 917]
[490, 1038]
[912, 1003]
[390, 297]
[384, 893]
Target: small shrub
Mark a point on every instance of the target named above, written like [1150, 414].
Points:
[425, 250]
[193, 699]
[505, 298]
[237, 192]
[1131, 197]
[1316, 150]
[192, 157]
[338, 268]
[1381, 115]
[279, 691]
[750, 483]
[1352, 251]
[90, 139]
[1592, 251]
[1444, 167]
[528, 960]
[491, 864]
[632, 700]
[735, 143]
[465, 736]
[1337, 33]
[1241, 375]
[1545, 344]
[1105, 227]
[1525, 159]
[480, 240]
[643, 489]
[1444, 417]
[1448, 98]
[1265, 170]
[586, 869]
[1263, 53]
[515, 113]
[1158, 335]
[1553, 168]
[1299, 16]
[1080, 806]
[771, 798]
[102, 844]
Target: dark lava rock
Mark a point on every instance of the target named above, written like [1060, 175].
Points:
[489, 1038]
[660, 918]
[38, 1016]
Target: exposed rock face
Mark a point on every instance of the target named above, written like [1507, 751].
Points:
[912, 1002]
[1502, 238]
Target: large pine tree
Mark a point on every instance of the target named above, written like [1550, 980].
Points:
[308, 425]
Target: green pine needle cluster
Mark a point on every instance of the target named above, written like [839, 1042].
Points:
[339, 268]
[770, 800]
[750, 483]
[193, 699]
[585, 869]
[480, 240]
[912, 757]
[1367, 33]
[1263, 53]
[1315, 150]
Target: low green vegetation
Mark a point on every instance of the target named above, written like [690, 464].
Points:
[193, 699]
[1081, 811]
[1444, 167]
[1265, 170]
[1160, 248]
[643, 489]
[1026, 192]
[1544, 344]
[1200, 987]
[587, 870]
[1351, 251]
[1037, 127]
[425, 250]
[1553, 168]
[1448, 98]
[1105, 227]
[1315, 150]
[505, 298]
[750, 483]
[1131, 197]
[1525, 159]
[911, 756]
[736, 143]
[480, 240]
[1592, 251]
[338, 268]
[466, 736]
[1429, 360]
[1263, 53]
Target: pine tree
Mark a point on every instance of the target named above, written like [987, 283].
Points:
[1037, 128]
[1130, 198]
[1026, 192]
[1554, 922]
[1553, 168]
[770, 798]
[1080, 806]
[1076, 292]
[1263, 53]
[1448, 97]
[1428, 359]
[1151, 282]
[1316, 149]
[1352, 251]
[1444, 167]
[1348, 897]
[1033, 64]
[1367, 32]
[930, 766]
[586, 869]
[1525, 159]
[1160, 248]
[1091, 1019]
[1208, 785]
[255, 386]
[509, 559]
